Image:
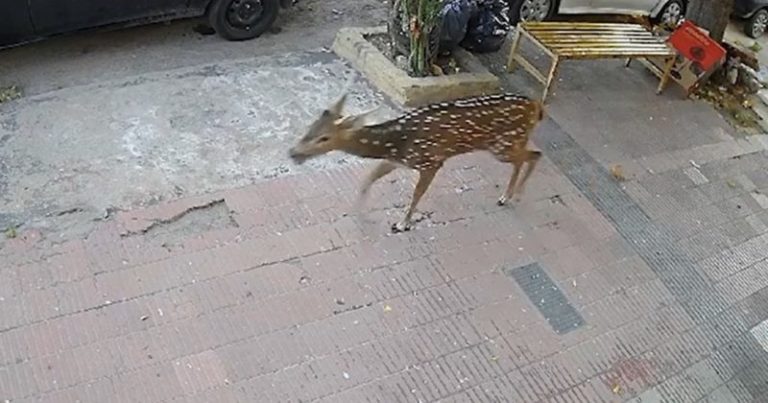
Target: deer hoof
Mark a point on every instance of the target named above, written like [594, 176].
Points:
[401, 226]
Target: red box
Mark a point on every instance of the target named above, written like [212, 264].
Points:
[695, 45]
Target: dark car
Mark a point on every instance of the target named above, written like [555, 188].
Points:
[755, 12]
[28, 20]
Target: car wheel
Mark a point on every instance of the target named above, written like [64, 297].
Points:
[757, 24]
[530, 10]
[671, 13]
[238, 20]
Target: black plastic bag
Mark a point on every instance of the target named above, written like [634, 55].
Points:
[487, 28]
[455, 17]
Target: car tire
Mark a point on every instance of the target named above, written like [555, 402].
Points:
[238, 20]
[517, 9]
[756, 25]
[673, 9]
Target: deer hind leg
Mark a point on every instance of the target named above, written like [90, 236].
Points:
[531, 158]
[518, 164]
[425, 179]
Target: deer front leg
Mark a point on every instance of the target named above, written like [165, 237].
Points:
[425, 179]
[381, 170]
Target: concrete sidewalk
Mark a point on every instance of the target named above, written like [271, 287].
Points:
[649, 285]
[72, 156]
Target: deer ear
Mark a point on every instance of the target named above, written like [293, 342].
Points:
[365, 117]
[339, 105]
[355, 122]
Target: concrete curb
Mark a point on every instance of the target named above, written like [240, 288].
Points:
[352, 45]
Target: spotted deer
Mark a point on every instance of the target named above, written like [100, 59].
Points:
[423, 139]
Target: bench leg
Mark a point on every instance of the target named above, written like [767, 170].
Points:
[515, 45]
[628, 62]
[666, 73]
[551, 78]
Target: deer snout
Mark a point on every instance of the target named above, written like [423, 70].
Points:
[297, 156]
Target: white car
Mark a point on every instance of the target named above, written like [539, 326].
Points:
[663, 11]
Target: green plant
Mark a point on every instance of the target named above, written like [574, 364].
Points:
[9, 93]
[423, 17]
[11, 233]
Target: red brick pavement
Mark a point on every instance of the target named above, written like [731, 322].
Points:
[305, 301]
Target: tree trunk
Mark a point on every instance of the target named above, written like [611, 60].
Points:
[712, 15]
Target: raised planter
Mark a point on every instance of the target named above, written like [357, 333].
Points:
[475, 80]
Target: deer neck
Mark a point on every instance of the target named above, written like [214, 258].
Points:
[378, 141]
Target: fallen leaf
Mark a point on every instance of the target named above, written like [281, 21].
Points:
[437, 70]
[616, 389]
[618, 173]
[387, 308]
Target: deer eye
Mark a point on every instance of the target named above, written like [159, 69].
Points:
[323, 139]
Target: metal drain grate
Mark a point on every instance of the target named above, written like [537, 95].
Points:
[547, 297]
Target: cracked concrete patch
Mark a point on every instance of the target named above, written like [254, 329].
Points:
[161, 136]
[169, 230]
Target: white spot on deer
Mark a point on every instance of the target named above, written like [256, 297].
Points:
[364, 141]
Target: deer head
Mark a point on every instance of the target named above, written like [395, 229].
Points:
[331, 131]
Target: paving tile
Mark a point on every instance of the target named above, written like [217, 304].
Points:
[587, 290]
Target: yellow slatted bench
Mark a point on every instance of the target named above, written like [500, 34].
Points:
[588, 41]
